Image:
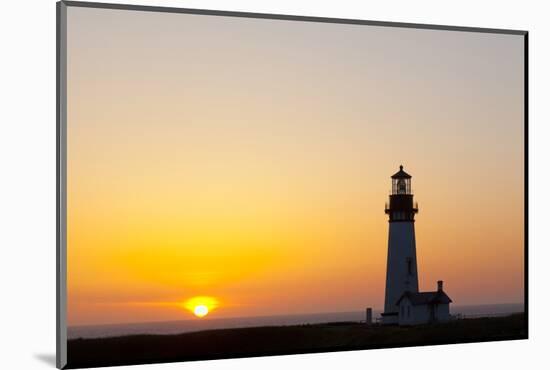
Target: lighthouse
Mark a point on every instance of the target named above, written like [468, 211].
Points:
[401, 272]
[404, 304]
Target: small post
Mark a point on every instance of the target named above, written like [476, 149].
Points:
[368, 319]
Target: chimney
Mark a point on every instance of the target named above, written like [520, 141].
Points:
[440, 285]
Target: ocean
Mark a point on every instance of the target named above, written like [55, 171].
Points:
[185, 326]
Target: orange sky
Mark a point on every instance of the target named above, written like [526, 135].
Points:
[249, 160]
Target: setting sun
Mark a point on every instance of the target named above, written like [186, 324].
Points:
[201, 310]
[201, 306]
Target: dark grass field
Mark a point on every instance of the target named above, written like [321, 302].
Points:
[274, 340]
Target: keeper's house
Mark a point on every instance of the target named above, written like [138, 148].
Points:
[424, 307]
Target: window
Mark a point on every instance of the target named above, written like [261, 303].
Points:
[408, 311]
[409, 265]
[402, 310]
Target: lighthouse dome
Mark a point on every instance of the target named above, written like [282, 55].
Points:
[401, 174]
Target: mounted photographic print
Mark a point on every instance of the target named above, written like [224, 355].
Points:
[236, 184]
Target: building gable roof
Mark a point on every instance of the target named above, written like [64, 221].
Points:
[417, 299]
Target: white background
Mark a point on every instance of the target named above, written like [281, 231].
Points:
[27, 182]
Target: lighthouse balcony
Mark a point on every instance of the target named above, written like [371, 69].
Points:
[401, 207]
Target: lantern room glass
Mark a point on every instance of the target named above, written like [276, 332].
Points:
[401, 186]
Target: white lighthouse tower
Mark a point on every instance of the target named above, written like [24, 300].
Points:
[401, 272]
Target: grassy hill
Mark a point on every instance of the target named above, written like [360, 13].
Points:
[273, 340]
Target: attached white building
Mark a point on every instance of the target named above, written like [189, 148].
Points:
[424, 307]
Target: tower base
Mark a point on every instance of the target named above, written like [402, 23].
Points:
[390, 318]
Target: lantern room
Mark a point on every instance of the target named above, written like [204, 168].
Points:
[401, 182]
[401, 207]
